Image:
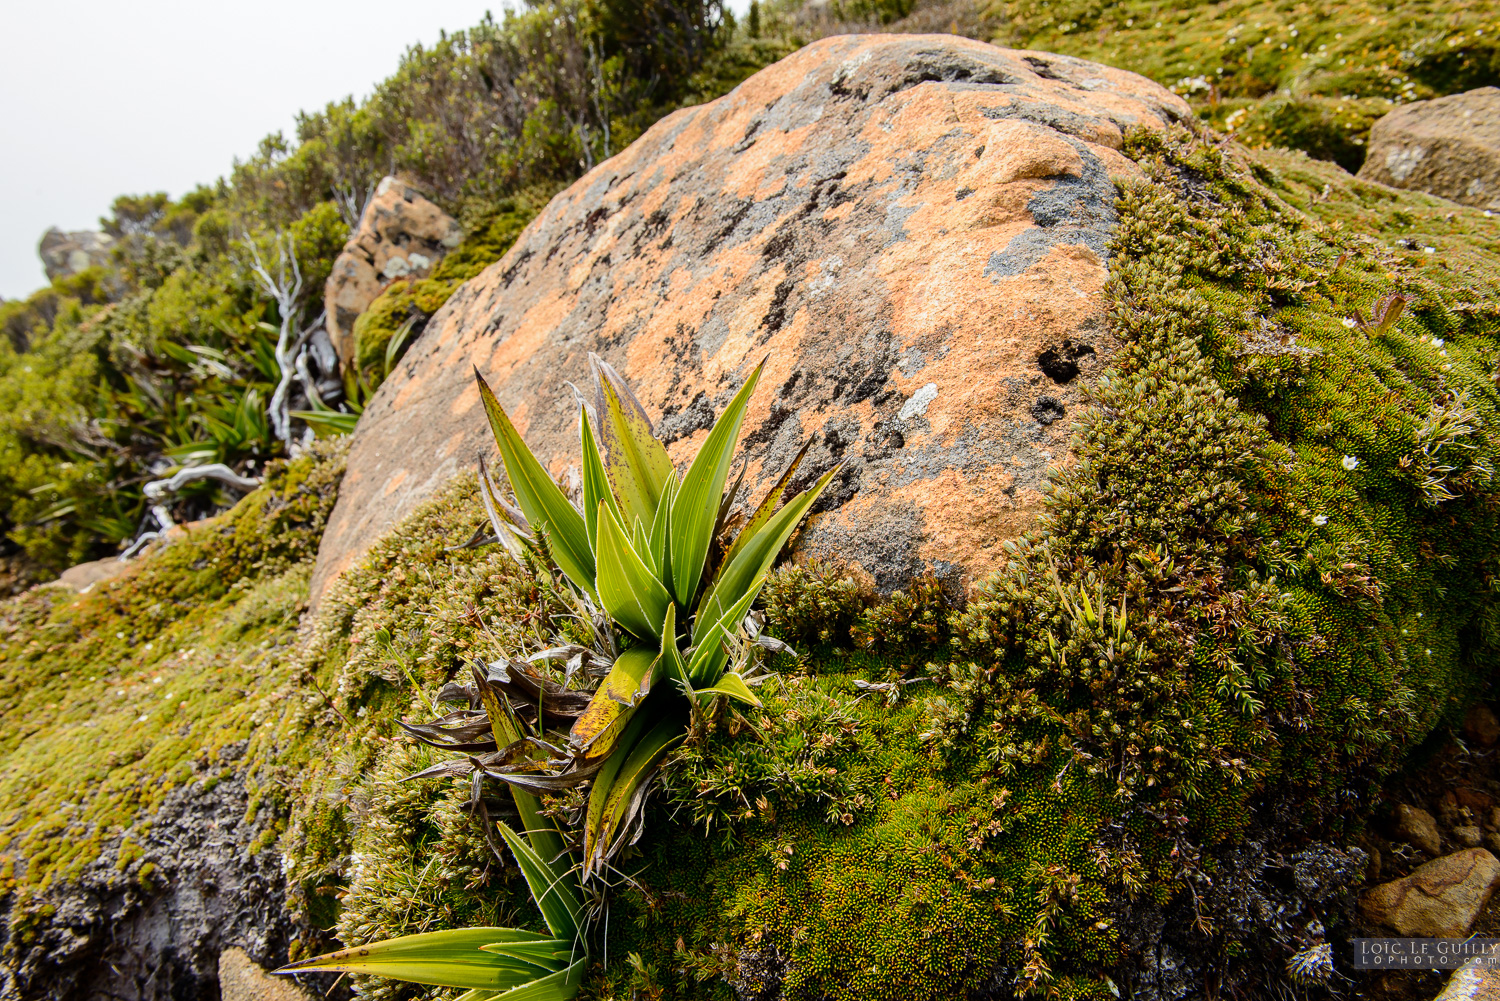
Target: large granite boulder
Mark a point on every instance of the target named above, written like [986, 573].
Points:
[65, 254]
[1449, 146]
[913, 229]
[401, 234]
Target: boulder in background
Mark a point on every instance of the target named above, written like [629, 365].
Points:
[1449, 146]
[401, 234]
[65, 254]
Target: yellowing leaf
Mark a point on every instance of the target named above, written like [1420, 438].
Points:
[598, 730]
[637, 464]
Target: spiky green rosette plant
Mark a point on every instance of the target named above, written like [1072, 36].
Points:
[667, 587]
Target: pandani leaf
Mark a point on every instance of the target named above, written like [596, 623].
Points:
[541, 499]
[696, 507]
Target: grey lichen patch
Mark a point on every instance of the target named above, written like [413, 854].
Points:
[1077, 211]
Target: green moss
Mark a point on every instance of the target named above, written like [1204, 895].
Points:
[133, 688]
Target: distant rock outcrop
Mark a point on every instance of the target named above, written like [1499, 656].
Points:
[400, 235]
[1448, 147]
[65, 254]
[913, 229]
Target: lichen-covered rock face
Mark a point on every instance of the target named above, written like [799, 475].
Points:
[400, 234]
[912, 229]
[1448, 147]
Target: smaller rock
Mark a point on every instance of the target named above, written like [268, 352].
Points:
[1417, 827]
[1481, 726]
[400, 235]
[83, 577]
[1476, 980]
[242, 979]
[1467, 835]
[1451, 812]
[1448, 147]
[1492, 842]
[65, 254]
[1440, 899]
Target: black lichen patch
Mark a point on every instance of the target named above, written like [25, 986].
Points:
[1061, 364]
[1047, 410]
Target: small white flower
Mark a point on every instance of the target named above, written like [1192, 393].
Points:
[1320, 520]
[143, 719]
[1437, 342]
[1429, 651]
[1429, 250]
[362, 711]
[1351, 463]
[1349, 322]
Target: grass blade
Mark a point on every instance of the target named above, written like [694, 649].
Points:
[696, 508]
[441, 958]
[540, 498]
[552, 886]
[638, 464]
[630, 593]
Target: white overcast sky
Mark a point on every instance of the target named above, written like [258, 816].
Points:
[99, 98]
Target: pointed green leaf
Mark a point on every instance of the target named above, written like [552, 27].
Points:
[630, 593]
[660, 537]
[559, 986]
[710, 653]
[478, 994]
[747, 571]
[696, 508]
[441, 958]
[734, 686]
[638, 464]
[598, 730]
[766, 509]
[540, 498]
[612, 795]
[595, 482]
[553, 886]
[672, 664]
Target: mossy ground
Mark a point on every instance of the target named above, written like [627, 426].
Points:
[1220, 612]
[117, 696]
[1312, 75]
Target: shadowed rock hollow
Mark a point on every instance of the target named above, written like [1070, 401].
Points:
[914, 231]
